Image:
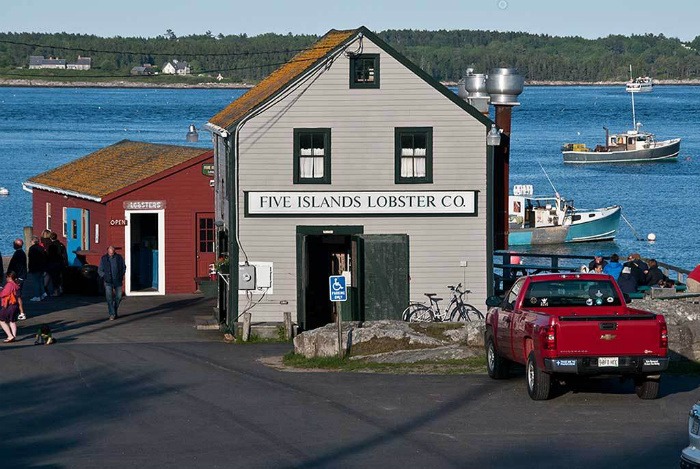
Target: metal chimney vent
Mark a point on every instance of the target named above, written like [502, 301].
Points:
[504, 85]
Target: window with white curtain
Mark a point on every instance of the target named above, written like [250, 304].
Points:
[312, 156]
[414, 155]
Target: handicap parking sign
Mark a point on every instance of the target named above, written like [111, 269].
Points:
[337, 288]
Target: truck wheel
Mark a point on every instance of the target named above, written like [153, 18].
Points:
[539, 383]
[496, 365]
[646, 388]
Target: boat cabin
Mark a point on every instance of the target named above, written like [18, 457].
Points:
[631, 140]
[528, 211]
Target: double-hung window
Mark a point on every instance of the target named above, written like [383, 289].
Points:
[364, 71]
[414, 155]
[312, 156]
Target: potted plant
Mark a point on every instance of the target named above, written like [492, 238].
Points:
[222, 264]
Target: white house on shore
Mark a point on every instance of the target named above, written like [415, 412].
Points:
[38, 61]
[350, 160]
[176, 67]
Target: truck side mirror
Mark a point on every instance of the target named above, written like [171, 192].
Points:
[627, 298]
[493, 301]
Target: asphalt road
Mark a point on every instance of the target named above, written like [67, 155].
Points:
[149, 391]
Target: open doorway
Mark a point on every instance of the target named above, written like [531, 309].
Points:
[320, 254]
[145, 253]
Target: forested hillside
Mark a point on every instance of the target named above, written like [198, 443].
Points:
[444, 54]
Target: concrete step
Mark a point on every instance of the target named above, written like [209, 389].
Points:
[206, 323]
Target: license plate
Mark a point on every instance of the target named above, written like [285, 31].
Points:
[695, 429]
[607, 361]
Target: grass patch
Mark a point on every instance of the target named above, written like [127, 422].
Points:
[384, 344]
[469, 365]
[435, 330]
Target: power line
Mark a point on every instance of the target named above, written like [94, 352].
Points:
[104, 51]
[29, 75]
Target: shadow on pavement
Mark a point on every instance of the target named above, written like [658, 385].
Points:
[40, 415]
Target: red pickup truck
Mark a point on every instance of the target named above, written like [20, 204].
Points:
[560, 325]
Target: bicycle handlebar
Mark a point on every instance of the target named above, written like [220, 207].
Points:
[456, 289]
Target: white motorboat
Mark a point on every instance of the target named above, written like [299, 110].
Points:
[639, 84]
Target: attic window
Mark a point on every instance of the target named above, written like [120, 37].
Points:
[364, 71]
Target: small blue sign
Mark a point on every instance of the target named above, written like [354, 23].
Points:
[337, 288]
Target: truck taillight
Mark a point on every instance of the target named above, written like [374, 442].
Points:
[550, 337]
[663, 337]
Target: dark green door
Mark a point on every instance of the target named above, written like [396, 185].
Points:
[384, 274]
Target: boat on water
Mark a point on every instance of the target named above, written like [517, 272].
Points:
[633, 146]
[4, 191]
[554, 220]
[639, 85]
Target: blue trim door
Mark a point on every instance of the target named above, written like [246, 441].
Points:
[76, 224]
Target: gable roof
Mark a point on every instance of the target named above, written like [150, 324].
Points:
[278, 80]
[113, 168]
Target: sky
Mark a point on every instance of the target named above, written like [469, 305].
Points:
[149, 18]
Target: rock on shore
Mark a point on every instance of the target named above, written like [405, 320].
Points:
[402, 342]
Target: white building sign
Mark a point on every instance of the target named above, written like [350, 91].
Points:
[144, 205]
[397, 203]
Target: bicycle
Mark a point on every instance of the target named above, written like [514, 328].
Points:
[458, 310]
[420, 312]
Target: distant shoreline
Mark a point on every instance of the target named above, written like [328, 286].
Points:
[43, 83]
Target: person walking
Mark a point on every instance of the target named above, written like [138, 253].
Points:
[111, 271]
[9, 310]
[57, 262]
[37, 269]
[18, 265]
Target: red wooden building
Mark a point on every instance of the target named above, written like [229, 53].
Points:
[154, 203]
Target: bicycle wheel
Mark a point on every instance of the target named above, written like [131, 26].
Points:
[454, 312]
[470, 312]
[421, 314]
[409, 309]
[459, 314]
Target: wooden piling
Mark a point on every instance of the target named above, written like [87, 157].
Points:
[246, 327]
[288, 331]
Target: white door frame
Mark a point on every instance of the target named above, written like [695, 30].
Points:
[161, 252]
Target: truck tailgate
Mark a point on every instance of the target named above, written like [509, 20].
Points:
[609, 335]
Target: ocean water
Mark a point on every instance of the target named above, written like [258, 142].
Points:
[41, 128]
[659, 198]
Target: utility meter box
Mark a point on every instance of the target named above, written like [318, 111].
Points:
[246, 277]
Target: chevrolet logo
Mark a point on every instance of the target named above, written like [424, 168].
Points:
[607, 336]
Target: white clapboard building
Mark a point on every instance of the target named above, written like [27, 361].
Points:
[350, 160]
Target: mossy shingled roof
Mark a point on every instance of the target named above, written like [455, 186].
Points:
[115, 167]
[280, 78]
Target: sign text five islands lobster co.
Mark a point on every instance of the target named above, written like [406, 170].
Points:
[396, 203]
